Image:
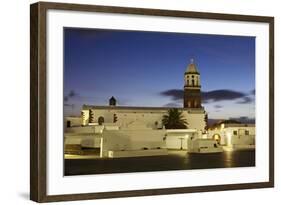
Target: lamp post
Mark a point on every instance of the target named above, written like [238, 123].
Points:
[181, 138]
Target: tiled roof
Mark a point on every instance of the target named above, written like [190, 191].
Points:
[192, 68]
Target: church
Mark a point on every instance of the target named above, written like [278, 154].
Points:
[151, 117]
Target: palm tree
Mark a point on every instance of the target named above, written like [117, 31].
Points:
[174, 120]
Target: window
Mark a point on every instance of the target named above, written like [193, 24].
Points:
[234, 132]
[247, 132]
[101, 120]
[68, 123]
[91, 116]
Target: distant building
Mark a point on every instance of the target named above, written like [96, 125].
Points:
[151, 117]
[235, 135]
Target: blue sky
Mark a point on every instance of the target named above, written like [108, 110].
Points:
[138, 68]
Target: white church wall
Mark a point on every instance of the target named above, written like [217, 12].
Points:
[107, 114]
[150, 118]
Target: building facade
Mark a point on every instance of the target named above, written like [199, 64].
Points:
[234, 135]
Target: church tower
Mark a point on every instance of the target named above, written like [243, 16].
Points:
[192, 86]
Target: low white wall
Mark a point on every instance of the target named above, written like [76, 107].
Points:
[83, 139]
[203, 146]
[89, 129]
[243, 140]
[74, 121]
[137, 153]
[177, 139]
[132, 140]
[91, 142]
[80, 130]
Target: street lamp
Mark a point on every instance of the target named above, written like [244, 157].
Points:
[181, 138]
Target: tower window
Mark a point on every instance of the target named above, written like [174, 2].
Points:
[195, 103]
[192, 82]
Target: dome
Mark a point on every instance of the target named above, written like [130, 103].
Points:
[112, 101]
[192, 68]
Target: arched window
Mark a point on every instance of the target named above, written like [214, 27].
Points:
[192, 82]
[217, 137]
[195, 103]
[101, 120]
[68, 123]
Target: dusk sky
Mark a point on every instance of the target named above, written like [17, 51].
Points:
[147, 69]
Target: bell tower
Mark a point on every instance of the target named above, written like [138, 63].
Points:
[192, 87]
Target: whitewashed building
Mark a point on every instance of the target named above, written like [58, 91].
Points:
[138, 131]
[151, 117]
[234, 135]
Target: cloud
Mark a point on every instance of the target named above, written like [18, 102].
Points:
[70, 95]
[245, 100]
[172, 104]
[68, 105]
[176, 94]
[207, 96]
[218, 106]
[244, 119]
[253, 92]
[220, 95]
